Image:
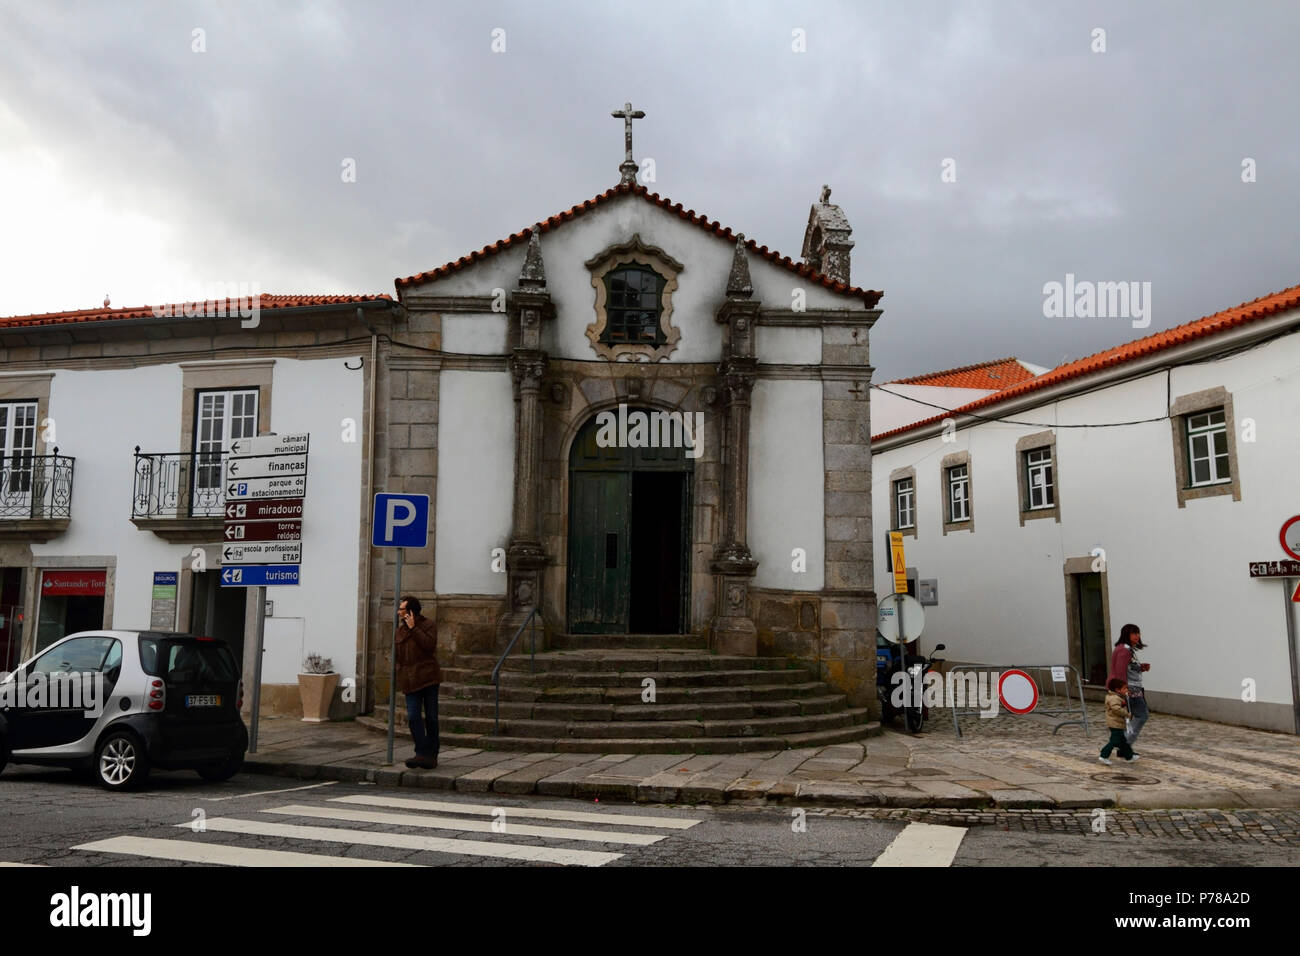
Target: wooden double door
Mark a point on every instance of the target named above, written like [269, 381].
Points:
[629, 539]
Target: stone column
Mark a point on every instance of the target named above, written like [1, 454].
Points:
[733, 629]
[848, 614]
[530, 304]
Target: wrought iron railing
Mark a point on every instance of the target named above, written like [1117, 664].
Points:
[178, 485]
[36, 486]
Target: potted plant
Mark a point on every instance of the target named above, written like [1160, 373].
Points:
[316, 684]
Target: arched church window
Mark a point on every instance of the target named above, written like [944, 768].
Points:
[634, 305]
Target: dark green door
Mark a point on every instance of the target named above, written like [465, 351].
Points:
[599, 582]
[1092, 629]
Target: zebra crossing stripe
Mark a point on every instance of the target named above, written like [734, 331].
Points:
[922, 844]
[473, 826]
[189, 851]
[504, 851]
[566, 816]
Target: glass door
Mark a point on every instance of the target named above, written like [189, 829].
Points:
[221, 418]
[17, 458]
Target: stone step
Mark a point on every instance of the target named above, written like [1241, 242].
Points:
[450, 707]
[664, 693]
[610, 679]
[627, 641]
[622, 662]
[543, 730]
[669, 745]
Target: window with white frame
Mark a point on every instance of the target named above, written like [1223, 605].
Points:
[1207, 448]
[959, 493]
[904, 503]
[17, 447]
[1038, 474]
[222, 417]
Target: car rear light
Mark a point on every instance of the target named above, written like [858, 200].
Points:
[205, 638]
[157, 695]
[239, 697]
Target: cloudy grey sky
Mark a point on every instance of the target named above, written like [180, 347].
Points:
[130, 164]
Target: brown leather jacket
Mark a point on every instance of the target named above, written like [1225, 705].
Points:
[417, 656]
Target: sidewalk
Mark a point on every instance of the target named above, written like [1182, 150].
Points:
[1007, 763]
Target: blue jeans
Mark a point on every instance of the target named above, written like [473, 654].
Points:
[1137, 706]
[424, 726]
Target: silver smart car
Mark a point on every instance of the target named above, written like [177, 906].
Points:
[159, 699]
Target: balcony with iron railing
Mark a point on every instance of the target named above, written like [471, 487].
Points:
[179, 495]
[35, 496]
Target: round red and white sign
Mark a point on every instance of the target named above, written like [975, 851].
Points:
[1290, 537]
[1017, 691]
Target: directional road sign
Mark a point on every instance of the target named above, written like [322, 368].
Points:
[293, 486]
[263, 530]
[264, 510]
[269, 445]
[265, 466]
[258, 575]
[263, 552]
[400, 521]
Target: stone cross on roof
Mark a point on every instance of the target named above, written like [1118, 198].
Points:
[627, 168]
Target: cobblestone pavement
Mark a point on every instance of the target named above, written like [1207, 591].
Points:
[1001, 765]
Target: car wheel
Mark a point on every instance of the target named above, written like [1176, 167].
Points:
[120, 761]
[914, 719]
[220, 772]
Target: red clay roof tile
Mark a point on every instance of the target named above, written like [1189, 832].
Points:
[231, 307]
[1261, 308]
[997, 374]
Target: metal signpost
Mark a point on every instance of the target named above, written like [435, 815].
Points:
[399, 521]
[265, 484]
[899, 561]
[1288, 570]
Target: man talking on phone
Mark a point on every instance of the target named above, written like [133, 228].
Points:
[418, 677]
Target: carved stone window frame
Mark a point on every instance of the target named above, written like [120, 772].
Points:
[1024, 445]
[1195, 403]
[634, 252]
[955, 460]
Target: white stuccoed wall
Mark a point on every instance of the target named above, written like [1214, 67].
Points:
[102, 415]
[1180, 574]
[476, 472]
[786, 484]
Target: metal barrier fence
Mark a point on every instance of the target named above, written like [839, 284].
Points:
[1060, 705]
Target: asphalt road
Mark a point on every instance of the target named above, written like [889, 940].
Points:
[57, 818]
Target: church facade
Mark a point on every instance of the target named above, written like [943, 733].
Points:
[638, 422]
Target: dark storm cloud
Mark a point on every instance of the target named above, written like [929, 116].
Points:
[1115, 166]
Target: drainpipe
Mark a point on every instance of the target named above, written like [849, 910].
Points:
[367, 510]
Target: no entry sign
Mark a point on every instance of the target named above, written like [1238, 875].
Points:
[1290, 537]
[1017, 691]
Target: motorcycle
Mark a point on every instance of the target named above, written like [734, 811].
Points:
[887, 665]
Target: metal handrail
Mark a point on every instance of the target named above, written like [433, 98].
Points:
[178, 484]
[532, 654]
[36, 486]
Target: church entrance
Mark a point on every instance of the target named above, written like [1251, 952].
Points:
[629, 532]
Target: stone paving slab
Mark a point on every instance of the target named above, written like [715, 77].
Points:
[1007, 764]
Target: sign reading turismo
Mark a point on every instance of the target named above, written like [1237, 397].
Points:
[639, 429]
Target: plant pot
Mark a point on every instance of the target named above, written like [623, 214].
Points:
[317, 692]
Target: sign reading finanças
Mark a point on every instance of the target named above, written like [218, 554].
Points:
[265, 483]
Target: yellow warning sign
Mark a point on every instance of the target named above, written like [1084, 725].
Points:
[899, 561]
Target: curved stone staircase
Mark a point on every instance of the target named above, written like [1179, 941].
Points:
[590, 699]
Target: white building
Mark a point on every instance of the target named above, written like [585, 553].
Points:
[1133, 486]
[907, 400]
[114, 427]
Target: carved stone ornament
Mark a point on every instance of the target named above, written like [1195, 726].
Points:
[735, 596]
[634, 251]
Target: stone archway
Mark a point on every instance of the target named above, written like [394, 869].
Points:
[629, 508]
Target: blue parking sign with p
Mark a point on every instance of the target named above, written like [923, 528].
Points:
[400, 521]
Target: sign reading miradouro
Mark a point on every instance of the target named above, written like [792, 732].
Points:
[265, 483]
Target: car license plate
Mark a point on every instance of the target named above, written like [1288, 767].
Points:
[203, 700]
